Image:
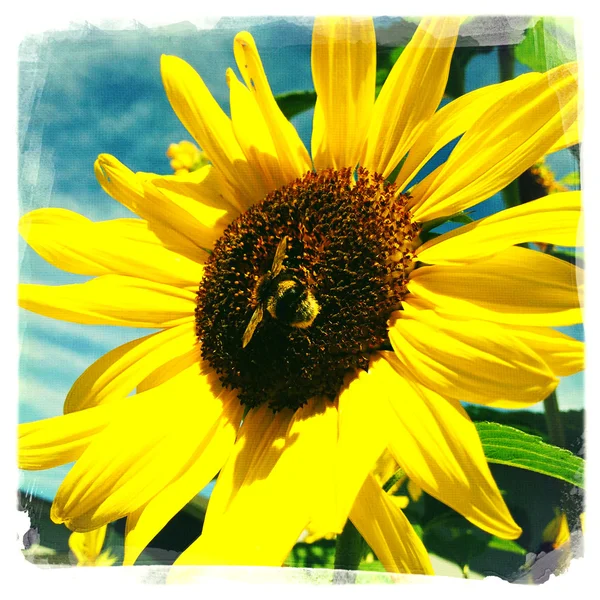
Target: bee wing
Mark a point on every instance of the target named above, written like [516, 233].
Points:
[255, 320]
[279, 257]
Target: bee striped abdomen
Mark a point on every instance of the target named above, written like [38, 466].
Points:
[292, 303]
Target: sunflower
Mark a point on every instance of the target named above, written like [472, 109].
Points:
[364, 339]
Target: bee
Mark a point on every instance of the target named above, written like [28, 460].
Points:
[283, 297]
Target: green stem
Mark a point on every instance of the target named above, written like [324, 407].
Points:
[349, 549]
[511, 194]
[556, 432]
[554, 424]
[395, 478]
[506, 62]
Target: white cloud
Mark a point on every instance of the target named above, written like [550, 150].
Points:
[40, 399]
[53, 354]
[43, 484]
[32, 351]
[139, 111]
[570, 394]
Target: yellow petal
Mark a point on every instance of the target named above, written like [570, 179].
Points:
[170, 369]
[117, 373]
[209, 125]
[87, 546]
[411, 94]
[569, 138]
[253, 135]
[388, 532]
[80, 246]
[452, 121]
[439, 448]
[362, 436]
[60, 440]
[414, 491]
[510, 136]
[205, 195]
[293, 157]
[149, 519]
[175, 226]
[111, 300]
[140, 231]
[343, 68]
[318, 129]
[319, 450]
[563, 354]
[554, 219]
[400, 502]
[275, 475]
[156, 437]
[470, 360]
[516, 286]
[385, 467]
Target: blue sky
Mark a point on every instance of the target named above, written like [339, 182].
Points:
[90, 91]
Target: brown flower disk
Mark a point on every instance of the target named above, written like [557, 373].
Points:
[349, 239]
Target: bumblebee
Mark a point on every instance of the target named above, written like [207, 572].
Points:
[283, 297]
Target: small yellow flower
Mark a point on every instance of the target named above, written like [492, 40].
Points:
[87, 548]
[545, 178]
[185, 157]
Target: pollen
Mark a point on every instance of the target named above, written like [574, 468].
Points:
[349, 237]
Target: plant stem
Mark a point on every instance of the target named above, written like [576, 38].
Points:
[349, 548]
[554, 423]
[510, 194]
[556, 432]
[506, 62]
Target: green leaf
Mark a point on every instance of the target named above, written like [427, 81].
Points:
[372, 565]
[320, 554]
[395, 54]
[506, 445]
[425, 236]
[294, 103]
[427, 232]
[547, 44]
[418, 529]
[461, 217]
[452, 537]
[381, 76]
[506, 546]
[571, 179]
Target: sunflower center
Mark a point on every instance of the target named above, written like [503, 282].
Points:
[299, 288]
